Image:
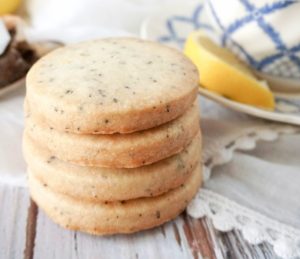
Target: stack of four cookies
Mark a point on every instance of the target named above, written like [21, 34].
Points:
[112, 138]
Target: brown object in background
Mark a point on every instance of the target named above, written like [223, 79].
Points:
[18, 57]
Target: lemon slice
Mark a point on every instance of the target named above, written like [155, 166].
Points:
[223, 73]
[9, 6]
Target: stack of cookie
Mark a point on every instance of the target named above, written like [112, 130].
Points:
[112, 138]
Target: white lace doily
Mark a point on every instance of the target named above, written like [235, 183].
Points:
[221, 140]
[255, 227]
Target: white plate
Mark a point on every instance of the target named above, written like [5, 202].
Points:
[287, 107]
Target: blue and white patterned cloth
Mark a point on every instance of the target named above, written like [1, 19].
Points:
[263, 33]
[266, 34]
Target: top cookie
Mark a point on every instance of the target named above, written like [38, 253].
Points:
[114, 85]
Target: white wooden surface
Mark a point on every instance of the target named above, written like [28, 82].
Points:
[26, 232]
[14, 204]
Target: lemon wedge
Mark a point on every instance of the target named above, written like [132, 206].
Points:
[221, 72]
[9, 6]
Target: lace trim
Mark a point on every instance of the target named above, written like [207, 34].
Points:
[245, 142]
[255, 227]
[227, 214]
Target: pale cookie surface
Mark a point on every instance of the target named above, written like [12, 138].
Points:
[105, 184]
[111, 85]
[116, 217]
[117, 150]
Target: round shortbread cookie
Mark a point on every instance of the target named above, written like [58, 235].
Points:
[117, 150]
[115, 217]
[106, 184]
[114, 85]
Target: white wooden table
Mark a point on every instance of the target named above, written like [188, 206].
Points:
[25, 232]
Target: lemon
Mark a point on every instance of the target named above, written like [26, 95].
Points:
[9, 6]
[221, 72]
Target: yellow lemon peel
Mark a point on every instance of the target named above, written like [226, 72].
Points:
[9, 6]
[221, 72]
